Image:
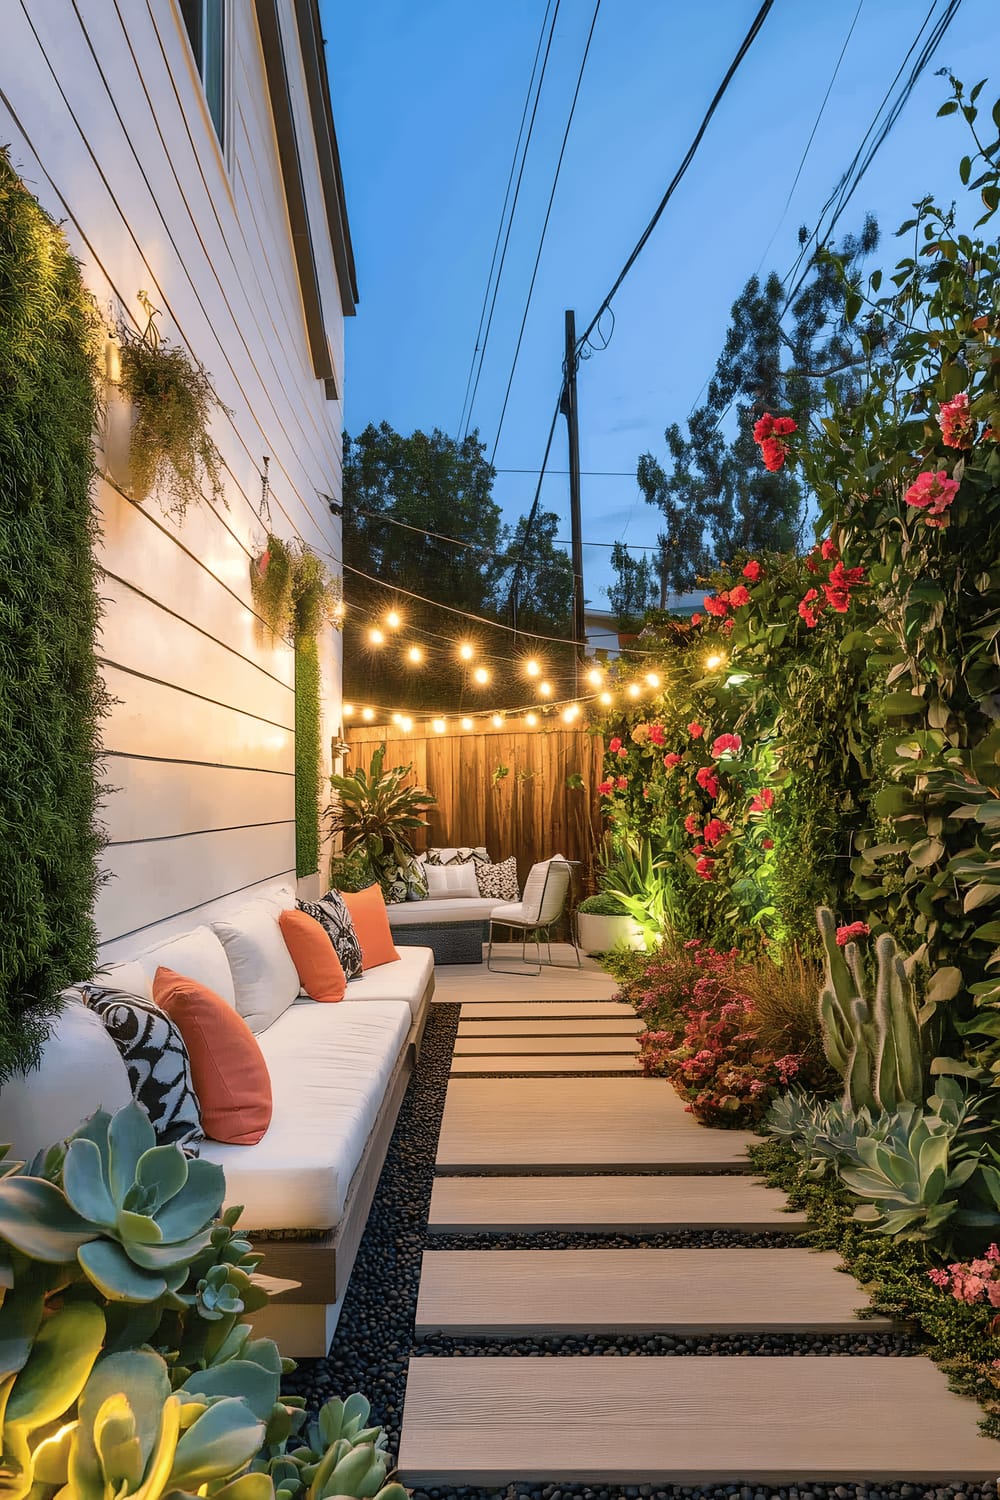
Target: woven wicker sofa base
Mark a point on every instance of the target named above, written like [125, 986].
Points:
[450, 942]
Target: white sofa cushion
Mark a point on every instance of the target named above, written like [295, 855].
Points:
[197, 954]
[81, 1071]
[423, 913]
[330, 1066]
[281, 897]
[130, 977]
[264, 977]
[447, 881]
[406, 978]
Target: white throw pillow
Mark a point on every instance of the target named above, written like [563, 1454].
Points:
[265, 978]
[197, 954]
[129, 976]
[446, 881]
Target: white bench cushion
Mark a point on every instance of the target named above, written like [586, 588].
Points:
[458, 909]
[330, 1066]
[405, 978]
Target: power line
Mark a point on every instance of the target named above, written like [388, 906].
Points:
[510, 221]
[545, 225]
[591, 473]
[454, 541]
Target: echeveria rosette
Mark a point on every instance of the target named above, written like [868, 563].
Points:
[150, 1209]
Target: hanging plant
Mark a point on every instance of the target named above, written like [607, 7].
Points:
[293, 591]
[271, 587]
[171, 449]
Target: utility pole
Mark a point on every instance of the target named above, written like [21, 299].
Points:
[568, 406]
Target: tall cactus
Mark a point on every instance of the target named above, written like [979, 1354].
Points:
[875, 1047]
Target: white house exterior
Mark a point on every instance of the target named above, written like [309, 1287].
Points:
[187, 146]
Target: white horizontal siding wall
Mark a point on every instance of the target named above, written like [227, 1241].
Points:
[107, 122]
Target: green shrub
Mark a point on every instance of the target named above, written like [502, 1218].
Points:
[51, 697]
[601, 905]
[307, 753]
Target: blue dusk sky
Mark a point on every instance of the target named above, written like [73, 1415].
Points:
[428, 96]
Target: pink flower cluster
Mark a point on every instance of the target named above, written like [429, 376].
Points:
[972, 1282]
[851, 933]
[836, 591]
[933, 494]
[955, 422]
[769, 434]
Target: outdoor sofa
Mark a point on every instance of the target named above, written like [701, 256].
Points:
[338, 1075]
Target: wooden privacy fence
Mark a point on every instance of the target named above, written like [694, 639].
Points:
[527, 792]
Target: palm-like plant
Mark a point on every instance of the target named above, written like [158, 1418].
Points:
[375, 815]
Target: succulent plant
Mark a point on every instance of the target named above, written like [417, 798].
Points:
[875, 1045]
[343, 1456]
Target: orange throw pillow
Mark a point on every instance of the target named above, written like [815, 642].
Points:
[314, 956]
[228, 1069]
[371, 923]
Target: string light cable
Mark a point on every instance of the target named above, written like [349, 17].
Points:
[504, 557]
[503, 216]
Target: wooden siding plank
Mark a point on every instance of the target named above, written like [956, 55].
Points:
[710, 1419]
[159, 799]
[161, 722]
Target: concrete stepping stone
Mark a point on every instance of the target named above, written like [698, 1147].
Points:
[557, 1026]
[687, 1421]
[630, 1205]
[553, 1065]
[565, 1125]
[507, 1010]
[558, 1046]
[518, 1292]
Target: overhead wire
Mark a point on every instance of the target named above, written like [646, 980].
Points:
[510, 222]
[454, 541]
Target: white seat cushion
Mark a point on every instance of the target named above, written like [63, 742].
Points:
[458, 909]
[330, 1066]
[264, 976]
[406, 978]
[511, 911]
[198, 955]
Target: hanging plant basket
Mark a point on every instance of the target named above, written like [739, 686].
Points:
[293, 591]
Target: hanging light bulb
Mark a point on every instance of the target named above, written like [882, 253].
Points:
[497, 721]
[545, 688]
[397, 719]
[531, 720]
[466, 723]
[531, 667]
[481, 675]
[466, 650]
[406, 725]
[605, 699]
[376, 637]
[653, 679]
[393, 619]
[348, 710]
[368, 714]
[571, 712]
[633, 690]
[439, 726]
[714, 661]
[595, 677]
[339, 610]
[415, 656]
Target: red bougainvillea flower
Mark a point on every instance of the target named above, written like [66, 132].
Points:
[614, 745]
[708, 781]
[808, 612]
[853, 930]
[767, 843]
[671, 760]
[740, 595]
[692, 824]
[645, 793]
[716, 605]
[705, 867]
[829, 550]
[955, 422]
[696, 618]
[621, 782]
[727, 626]
[812, 565]
[622, 752]
[606, 788]
[656, 734]
[763, 801]
[769, 433]
[932, 493]
[698, 848]
[714, 830]
[752, 570]
[838, 589]
[763, 427]
[726, 742]
[696, 731]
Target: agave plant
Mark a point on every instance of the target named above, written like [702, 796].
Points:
[633, 878]
[375, 815]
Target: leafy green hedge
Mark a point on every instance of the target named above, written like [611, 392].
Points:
[307, 752]
[51, 698]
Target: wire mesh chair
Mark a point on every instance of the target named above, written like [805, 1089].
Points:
[546, 893]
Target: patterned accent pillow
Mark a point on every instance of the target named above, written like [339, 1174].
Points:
[498, 881]
[460, 856]
[335, 919]
[407, 883]
[159, 1069]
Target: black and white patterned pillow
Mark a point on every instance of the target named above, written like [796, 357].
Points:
[333, 916]
[461, 856]
[159, 1069]
[498, 881]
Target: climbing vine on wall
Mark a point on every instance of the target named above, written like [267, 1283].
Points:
[51, 697]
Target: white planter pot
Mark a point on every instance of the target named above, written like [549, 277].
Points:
[599, 934]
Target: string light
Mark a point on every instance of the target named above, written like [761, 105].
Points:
[497, 721]
[368, 714]
[393, 619]
[714, 661]
[633, 690]
[481, 675]
[595, 677]
[606, 700]
[415, 655]
[397, 719]
[439, 726]
[652, 679]
[406, 724]
[348, 710]
[531, 720]
[531, 667]
[570, 713]
[466, 723]
[545, 688]
[466, 650]
[376, 637]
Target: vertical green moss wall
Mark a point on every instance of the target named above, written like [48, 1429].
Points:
[51, 697]
[307, 753]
